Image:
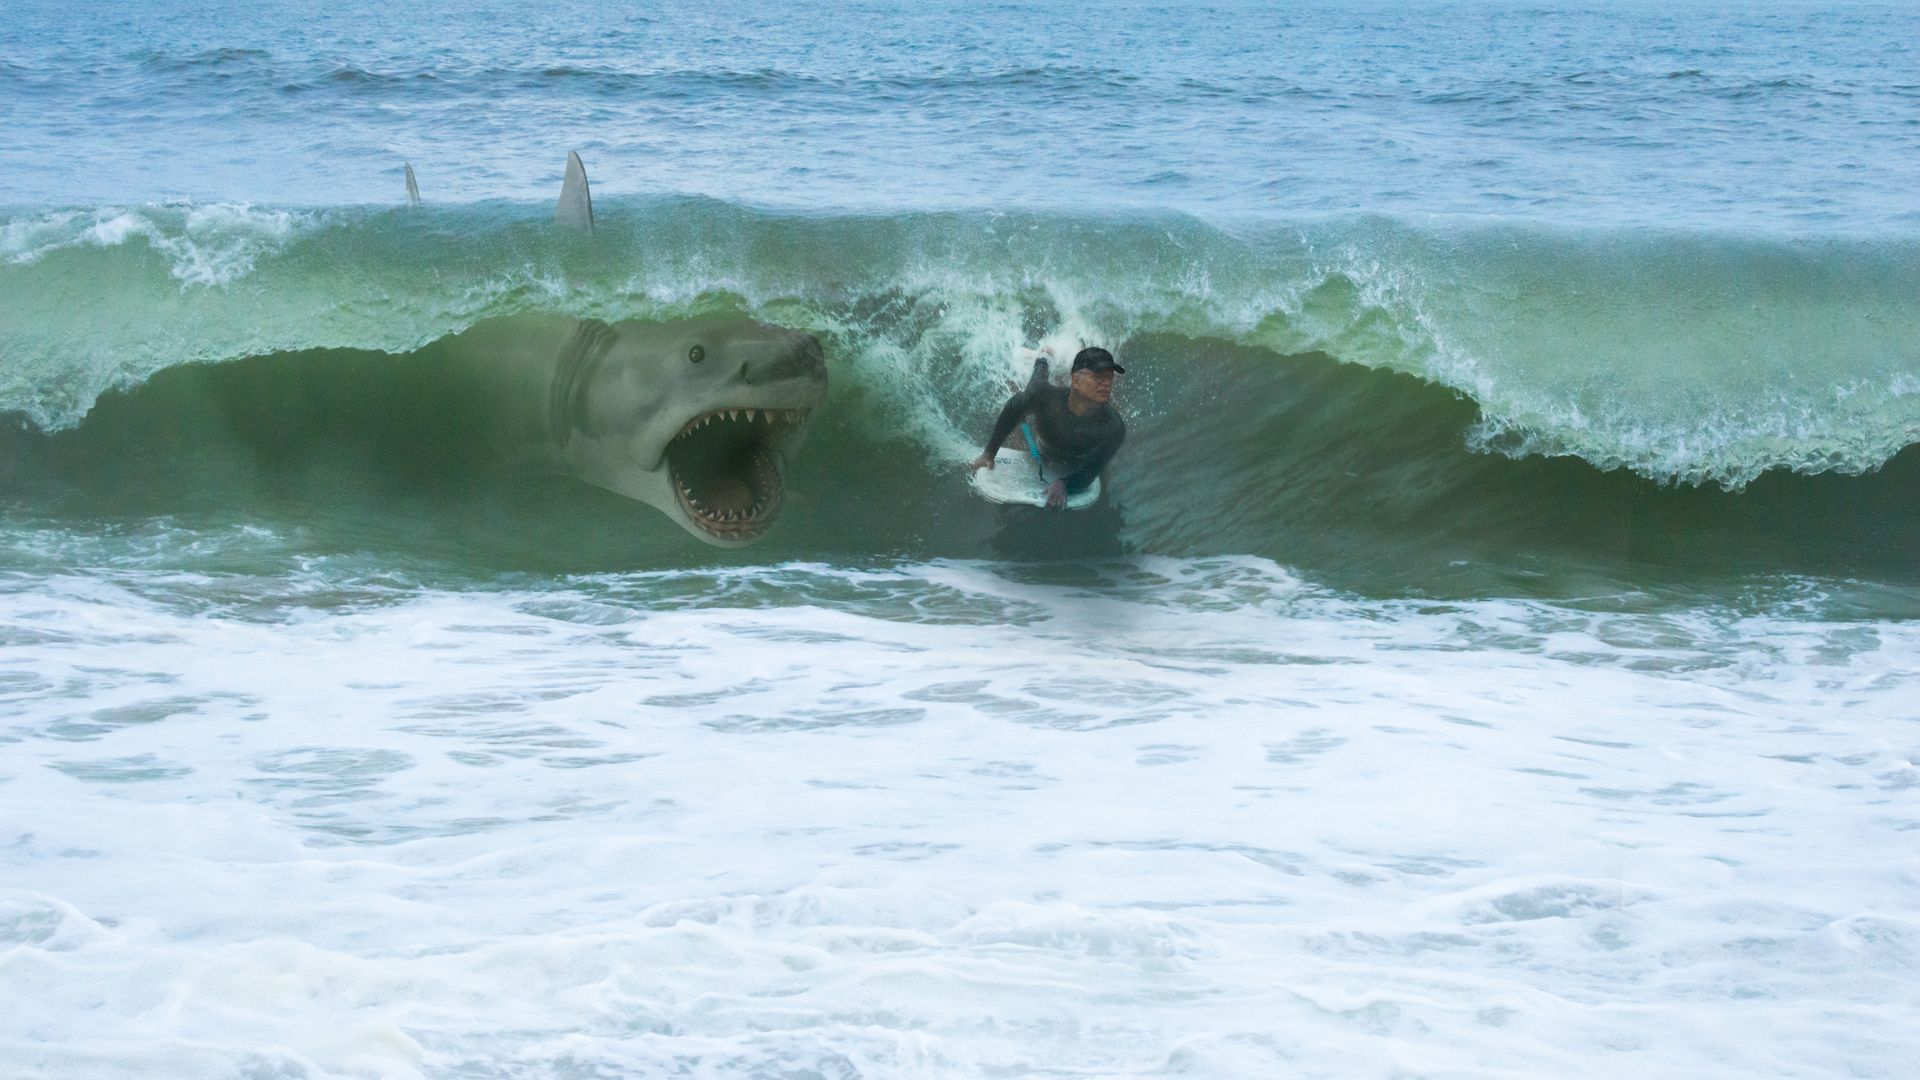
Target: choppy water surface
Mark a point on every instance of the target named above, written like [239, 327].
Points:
[948, 819]
[1497, 654]
[1778, 115]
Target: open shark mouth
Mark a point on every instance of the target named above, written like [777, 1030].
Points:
[726, 468]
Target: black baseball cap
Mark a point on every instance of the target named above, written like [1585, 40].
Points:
[1096, 359]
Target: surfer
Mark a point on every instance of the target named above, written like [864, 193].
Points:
[1078, 431]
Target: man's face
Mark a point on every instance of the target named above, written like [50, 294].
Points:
[1094, 385]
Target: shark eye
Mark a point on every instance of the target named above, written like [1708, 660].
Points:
[696, 354]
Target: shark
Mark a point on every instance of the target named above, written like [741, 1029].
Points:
[695, 417]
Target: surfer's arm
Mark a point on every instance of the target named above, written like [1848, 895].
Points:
[1039, 380]
[1015, 410]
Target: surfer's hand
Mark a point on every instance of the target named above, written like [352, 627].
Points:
[984, 461]
[1057, 495]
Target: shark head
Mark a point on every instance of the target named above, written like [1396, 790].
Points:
[696, 418]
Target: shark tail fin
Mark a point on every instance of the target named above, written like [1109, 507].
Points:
[413, 187]
[575, 209]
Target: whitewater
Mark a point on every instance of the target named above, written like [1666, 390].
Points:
[1495, 655]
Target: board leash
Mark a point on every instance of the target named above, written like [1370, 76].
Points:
[1039, 465]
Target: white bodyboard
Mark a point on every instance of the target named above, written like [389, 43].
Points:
[1014, 480]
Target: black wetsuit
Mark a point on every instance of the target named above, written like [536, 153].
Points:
[1083, 444]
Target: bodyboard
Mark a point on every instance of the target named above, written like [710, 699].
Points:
[1015, 481]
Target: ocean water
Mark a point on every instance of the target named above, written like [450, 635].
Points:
[1496, 655]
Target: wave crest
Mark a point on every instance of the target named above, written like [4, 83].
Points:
[1690, 358]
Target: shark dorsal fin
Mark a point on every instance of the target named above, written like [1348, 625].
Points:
[413, 188]
[575, 209]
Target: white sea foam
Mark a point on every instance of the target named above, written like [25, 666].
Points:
[208, 245]
[205, 244]
[945, 820]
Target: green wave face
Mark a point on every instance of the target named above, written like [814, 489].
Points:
[1309, 387]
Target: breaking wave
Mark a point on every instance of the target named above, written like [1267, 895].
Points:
[1333, 375]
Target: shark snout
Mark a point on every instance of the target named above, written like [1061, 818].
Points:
[797, 355]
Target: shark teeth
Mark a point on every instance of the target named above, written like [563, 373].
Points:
[734, 523]
[757, 511]
[776, 419]
[744, 448]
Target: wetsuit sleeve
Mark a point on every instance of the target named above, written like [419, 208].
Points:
[1089, 470]
[1017, 407]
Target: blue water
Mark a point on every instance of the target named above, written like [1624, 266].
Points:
[1766, 118]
